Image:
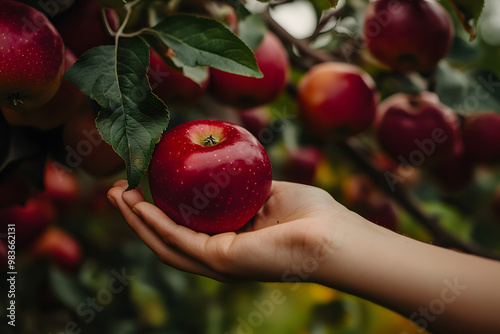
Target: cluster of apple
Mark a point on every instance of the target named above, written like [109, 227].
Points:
[415, 132]
[39, 104]
[39, 100]
[34, 214]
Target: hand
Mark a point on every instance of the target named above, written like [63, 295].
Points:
[293, 227]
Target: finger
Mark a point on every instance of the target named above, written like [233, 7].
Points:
[166, 253]
[186, 240]
[135, 222]
[121, 184]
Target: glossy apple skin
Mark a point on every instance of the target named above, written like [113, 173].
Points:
[31, 57]
[337, 100]
[54, 113]
[210, 189]
[408, 35]
[417, 129]
[30, 220]
[82, 26]
[481, 135]
[247, 92]
[58, 246]
[171, 86]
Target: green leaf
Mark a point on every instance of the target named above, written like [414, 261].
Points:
[206, 42]
[469, 13]
[132, 118]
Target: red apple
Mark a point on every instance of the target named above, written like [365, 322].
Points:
[258, 121]
[417, 130]
[58, 110]
[31, 57]
[301, 164]
[15, 190]
[361, 196]
[61, 186]
[454, 173]
[337, 100]
[82, 26]
[211, 176]
[247, 92]
[408, 35]
[58, 246]
[171, 86]
[30, 220]
[357, 189]
[481, 136]
[85, 148]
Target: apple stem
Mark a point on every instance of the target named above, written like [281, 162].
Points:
[16, 99]
[210, 141]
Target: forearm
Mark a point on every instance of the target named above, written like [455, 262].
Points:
[439, 289]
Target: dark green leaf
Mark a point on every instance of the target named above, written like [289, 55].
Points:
[206, 42]
[469, 13]
[132, 118]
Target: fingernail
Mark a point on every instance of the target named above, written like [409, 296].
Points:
[112, 201]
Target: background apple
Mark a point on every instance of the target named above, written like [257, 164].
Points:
[212, 176]
[31, 57]
[336, 100]
[360, 195]
[417, 130]
[58, 246]
[85, 148]
[301, 164]
[62, 187]
[247, 92]
[258, 121]
[408, 35]
[454, 173]
[82, 26]
[30, 220]
[481, 136]
[55, 112]
[171, 86]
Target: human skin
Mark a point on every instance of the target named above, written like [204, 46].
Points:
[301, 225]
